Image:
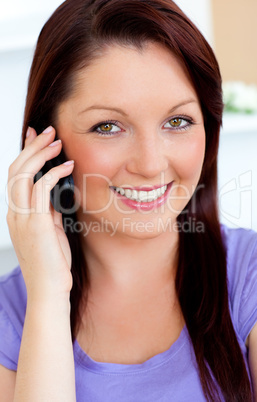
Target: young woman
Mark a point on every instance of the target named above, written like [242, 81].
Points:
[134, 292]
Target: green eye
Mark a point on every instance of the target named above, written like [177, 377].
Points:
[176, 122]
[106, 127]
[179, 123]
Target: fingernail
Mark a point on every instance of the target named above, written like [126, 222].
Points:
[28, 132]
[53, 144]
[68, 163]
[48, 130]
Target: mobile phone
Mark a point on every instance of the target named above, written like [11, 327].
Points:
[62, 195]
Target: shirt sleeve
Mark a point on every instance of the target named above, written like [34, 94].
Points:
[241, 247]
[9, 342]
[248, 303]
[12, 314]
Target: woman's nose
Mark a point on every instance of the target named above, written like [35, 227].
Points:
[148, 157]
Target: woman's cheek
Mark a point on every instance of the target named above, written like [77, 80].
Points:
[95, 169]
[89, 159]
[187, 166]
[191, 159]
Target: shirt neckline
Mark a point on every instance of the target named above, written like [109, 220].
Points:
[82, 359]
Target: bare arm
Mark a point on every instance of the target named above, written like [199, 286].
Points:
[46, 364]
[46, 368]
[7, 384]
[252, 342]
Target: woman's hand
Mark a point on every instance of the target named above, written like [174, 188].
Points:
[46, 363]
[36, 229]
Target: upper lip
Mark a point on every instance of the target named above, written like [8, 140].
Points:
[143, 187]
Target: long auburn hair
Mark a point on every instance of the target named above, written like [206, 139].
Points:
[75, 35]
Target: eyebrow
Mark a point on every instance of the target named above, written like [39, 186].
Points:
[116, 109]
[102, 107]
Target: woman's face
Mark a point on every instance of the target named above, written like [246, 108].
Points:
[135, 130]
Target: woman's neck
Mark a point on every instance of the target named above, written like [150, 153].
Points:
[132, 312]
[128, 265]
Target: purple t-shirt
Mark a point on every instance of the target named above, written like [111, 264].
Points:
[168, 376]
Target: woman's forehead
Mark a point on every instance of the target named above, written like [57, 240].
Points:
[128, 72]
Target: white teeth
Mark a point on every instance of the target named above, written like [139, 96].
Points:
[152, 195]
[141, 196]
[134, 195]
[128, 193]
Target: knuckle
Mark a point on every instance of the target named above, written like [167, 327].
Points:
[9, 217]
[12, 220]
[11, 169]
[38, 188]
[49, 177]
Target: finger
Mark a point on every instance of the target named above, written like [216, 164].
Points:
[57, 216]
[36, 161]
[20, 185]
[40, 199]
[31, 134]
[36, 144]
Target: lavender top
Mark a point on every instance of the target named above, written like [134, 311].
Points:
[168, 376]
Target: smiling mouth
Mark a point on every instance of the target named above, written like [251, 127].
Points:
[142, 195]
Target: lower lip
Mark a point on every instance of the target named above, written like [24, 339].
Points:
[145, 206]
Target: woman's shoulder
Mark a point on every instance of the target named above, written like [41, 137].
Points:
[237, 239]
[241, 252]
[13, 298]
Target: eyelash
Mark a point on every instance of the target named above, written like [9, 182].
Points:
[101, 133]
[188, 119]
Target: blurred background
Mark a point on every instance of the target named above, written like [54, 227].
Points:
[229, 26]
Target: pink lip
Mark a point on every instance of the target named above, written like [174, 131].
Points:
[145, 206]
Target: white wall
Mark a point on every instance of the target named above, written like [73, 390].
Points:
[20, 23]
[200, 13]
[237, 171]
